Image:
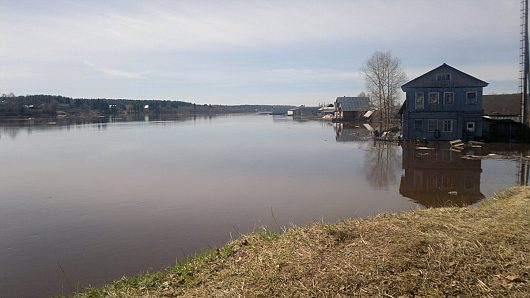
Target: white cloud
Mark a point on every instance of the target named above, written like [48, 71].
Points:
[114, 72]
[268, 79]
[161, 42]
[201, 25]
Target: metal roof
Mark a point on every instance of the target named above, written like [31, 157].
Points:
[353, 104]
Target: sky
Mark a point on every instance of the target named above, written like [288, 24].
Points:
[248, 51]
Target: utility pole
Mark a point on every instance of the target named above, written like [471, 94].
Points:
[525, 66]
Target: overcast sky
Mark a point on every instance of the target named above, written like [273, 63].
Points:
[264, 52]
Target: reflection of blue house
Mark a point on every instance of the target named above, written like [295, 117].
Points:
[440, 178]
[443, 104]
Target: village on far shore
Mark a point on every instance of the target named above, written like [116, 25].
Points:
[444, 104]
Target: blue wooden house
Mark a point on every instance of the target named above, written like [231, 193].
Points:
[443, 104]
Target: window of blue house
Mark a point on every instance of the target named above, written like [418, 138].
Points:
[471, 98]
[470, 126]
[432, 125]
[419, 100]
[447, 126]
[434, 98]
[418, 125]
[443, 77]
[449, 98]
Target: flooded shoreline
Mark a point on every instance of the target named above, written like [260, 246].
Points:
[410, 253]
[107, 199]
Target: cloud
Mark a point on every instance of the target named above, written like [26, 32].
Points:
[114, 72]
[244, 50]
[204, 25]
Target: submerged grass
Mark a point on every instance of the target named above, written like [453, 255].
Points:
[481, 251]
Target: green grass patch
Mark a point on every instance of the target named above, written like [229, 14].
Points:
[481, 251]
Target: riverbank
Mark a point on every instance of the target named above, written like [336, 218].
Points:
[473, 251]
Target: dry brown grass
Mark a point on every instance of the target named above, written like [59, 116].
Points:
[445, 252]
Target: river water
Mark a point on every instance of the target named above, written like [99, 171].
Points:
[85, 203]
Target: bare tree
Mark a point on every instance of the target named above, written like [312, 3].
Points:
[383, 75]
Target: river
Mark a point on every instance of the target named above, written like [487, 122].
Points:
[86, 203]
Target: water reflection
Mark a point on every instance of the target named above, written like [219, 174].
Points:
[440, 177]
[349, 132]
[381, 165]
[113, 198]
[517, 152]
[12, 127]
[524, 171]
[382, 160]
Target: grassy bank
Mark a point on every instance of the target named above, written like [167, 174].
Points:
[482, 251]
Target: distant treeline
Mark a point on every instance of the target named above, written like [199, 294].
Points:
[53, 105]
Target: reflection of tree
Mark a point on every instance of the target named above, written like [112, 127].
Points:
[381, 165]
[11, 131]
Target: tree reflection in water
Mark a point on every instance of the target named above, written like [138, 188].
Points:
[382, 164]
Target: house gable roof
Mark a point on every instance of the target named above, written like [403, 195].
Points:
[457, 79]
[353, 104]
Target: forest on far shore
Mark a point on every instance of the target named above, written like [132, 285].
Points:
[55, 105]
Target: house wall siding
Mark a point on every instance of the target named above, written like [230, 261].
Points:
[459, 111]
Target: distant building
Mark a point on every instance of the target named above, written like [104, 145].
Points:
[280, 110]
[502, 117]
[443, 104]
[351, 108]
[503, 106]
[304, 111]
[327, 110]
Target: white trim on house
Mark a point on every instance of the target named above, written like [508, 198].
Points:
[452, 98]
[417, 105]
[470, 126]
[475, 99]
[437, 97]
[418, 125]
[443, 77]
[432, 125]
[451, 125]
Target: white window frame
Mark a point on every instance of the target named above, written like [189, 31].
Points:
[437, 98]
[442, 77]
[429, 122]
[416, 128]
[418, 106]
[468, 99]
[445, 98]
[452, 125]
[468, 129]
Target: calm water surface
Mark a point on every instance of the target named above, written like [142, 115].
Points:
[84, 204]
